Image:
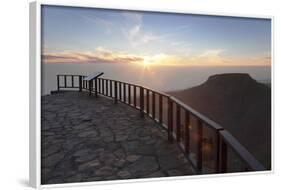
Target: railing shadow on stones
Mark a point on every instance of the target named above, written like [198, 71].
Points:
[208, 146]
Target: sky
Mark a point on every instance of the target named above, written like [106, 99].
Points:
[99, 36]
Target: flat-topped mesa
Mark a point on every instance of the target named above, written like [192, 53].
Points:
[238, 103]
[230, 79]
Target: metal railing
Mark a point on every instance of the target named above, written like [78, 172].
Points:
[189, 128]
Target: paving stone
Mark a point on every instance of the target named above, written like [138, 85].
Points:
[182, 158]
[45, 173]
[163, 149]
[105, 132]
[89, 133]
[113, 177]
[130, 146]
[92, 139]
[89, 165]
[132, 136]
[112, 146]
[55, 180]
[52, 160]
[108, 139]
[98, 151]
[132, 158]
[168, 162]
[141, 132]
[49, 133]
[50, 150]
[89, 179]
[86, 158]
[119, 163]
[75, 178]
[81, 153]
[104, 171]
[124, 174]
[143, 166]
[103, 156]
[146, 150]
[80, 126]
[119, 153]
[150, 141]
[121, 137]
[175, 172]
[156, 174]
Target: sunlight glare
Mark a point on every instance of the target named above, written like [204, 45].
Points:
[146, 61]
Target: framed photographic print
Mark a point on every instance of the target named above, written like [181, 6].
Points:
[120, 95]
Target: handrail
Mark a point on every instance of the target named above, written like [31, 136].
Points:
[203, 118]
[241, 151]
[144, 99]
[144, 87]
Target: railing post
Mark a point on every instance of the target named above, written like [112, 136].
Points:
[199, 145]
[111, 94]
[178, 121]
[84, 83]
[99, 80]
[115, 92]
[96, 88]
[129, 94]
[72, 81]
[65, 82]
[186, 134]
[170, 120]
[106, 87]
[90, 87]
[58, 82]
[120, 92]
[124, 92]
[147, 101]
[160, 109]
[153, 104]
[217, 163]
[102, 86]
[80, 83]
[142, 101]
[223, 156]
[135, 96]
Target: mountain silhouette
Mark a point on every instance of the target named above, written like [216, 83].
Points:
[241, 105]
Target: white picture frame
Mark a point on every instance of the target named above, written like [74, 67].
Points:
[35, 92]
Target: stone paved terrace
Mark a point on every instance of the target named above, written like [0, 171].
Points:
[91, 139]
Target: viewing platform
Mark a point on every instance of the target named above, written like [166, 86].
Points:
[105, 129]
[91, 139]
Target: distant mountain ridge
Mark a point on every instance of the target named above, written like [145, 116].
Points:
[241, 105]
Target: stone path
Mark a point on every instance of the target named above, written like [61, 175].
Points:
[91, 139]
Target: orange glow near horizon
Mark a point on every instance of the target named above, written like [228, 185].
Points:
[208, 58]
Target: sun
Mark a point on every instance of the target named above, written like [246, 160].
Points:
[146, 61]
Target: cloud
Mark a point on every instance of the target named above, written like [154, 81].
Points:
[93, 19]
[137, 37]
[213, 56]
[99, 56]
[132, 16]
[205, 58]
[133, 30]
[212, 52]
